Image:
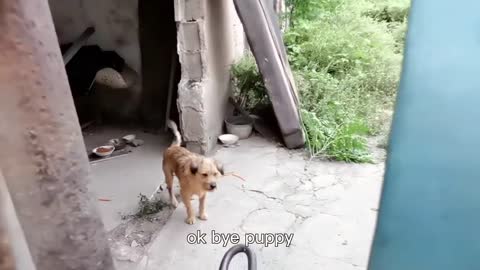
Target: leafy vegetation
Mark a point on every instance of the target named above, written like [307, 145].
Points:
[249, 90]
[346, 56]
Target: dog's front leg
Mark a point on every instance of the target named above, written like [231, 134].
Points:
[186, 197]
[202, 211]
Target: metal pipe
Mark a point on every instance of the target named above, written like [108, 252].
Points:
[42, 155]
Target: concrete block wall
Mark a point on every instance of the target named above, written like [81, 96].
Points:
[190, 17]
[209, 40]
[210, 37]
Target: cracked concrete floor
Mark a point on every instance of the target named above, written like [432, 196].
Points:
[329, 207]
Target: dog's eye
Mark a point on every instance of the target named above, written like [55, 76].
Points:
[205, 174]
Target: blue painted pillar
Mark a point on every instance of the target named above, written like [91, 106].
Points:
[429, 216]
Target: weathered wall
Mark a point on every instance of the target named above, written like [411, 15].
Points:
[223, 45]
[210, 38]
[240, 44]
[115, 22]
[116, 28]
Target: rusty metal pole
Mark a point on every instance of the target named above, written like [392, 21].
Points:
[42, 155]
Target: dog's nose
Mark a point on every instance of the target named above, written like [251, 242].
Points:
[213, 185]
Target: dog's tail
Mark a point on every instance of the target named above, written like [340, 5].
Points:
[176, 133]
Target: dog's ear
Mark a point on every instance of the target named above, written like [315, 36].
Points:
[193, 167]
[219, 167]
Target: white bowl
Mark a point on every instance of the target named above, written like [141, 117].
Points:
[104, 154]
[228, 139]
[129, 138]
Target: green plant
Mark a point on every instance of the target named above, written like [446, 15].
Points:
[248, 88]
[307, 10]
[346, 58]
[389, 11]
[340, 44]
[347, 73]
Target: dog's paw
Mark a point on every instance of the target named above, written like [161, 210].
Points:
[174, 203]
[203, 216]
[190, 220]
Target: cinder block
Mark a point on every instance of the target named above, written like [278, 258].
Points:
[190, 94]
[188, 10]
[192, 66]
[192, 124]
[196, 147]
[179, 9]
[194, 9]
[189, 37]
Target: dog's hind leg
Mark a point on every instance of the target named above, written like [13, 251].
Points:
[169, 180]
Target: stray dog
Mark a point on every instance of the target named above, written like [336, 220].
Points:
[197, 175]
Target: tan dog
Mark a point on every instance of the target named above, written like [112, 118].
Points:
[197, 175]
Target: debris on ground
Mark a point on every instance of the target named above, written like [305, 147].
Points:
[93, 158]
[122, 147]
[130, 240]
[147, 208]
[234, 175]
[136, 142]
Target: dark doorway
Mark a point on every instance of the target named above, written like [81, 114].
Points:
[158, 43]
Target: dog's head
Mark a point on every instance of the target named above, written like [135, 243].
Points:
[206, 171]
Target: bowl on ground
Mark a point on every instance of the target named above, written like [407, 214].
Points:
[240, 126]
[104, 150]
[228, 139]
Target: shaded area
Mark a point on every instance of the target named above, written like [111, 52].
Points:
[157, 33]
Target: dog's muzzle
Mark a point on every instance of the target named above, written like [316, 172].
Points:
[213, 186]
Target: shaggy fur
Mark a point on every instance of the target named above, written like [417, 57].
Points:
[197, 175]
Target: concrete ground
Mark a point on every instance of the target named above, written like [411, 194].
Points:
[122, 179]
[329, 207]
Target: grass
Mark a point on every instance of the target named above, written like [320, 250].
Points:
[346, 56]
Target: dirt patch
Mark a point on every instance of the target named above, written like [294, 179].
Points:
[130, 241]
